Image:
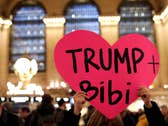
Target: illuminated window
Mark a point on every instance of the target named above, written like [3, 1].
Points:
[83, 16]
[28, 34]
[136, 17]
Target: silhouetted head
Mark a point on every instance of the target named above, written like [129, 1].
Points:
[61, 102]
[47, 99]
[24, 112]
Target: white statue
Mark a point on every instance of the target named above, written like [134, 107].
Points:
[25, 69]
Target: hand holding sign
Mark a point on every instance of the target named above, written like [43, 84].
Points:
[110, 75]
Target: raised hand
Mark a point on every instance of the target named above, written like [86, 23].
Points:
[79, 100]
[144, 93]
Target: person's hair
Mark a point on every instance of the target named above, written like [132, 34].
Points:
[164, 107]
[98, 119]
[25, 109]
[46, 99]
[61, 102]
[8, 106]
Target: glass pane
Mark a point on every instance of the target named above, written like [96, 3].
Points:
[136, 17]
[82, 17]
[28, 35]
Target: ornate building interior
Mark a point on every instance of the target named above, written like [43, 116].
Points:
[31, 28]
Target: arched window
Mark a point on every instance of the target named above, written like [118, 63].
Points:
[136, 17]
[82, 16]
[28, 34]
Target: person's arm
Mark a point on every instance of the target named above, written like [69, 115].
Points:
[143, 92]
[152, 111]
[72, 117]
[117, 121]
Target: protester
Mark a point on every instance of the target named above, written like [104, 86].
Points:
[142, 121]
[97, 119]
[139, 113]
[127, 118]
[8, 106]
[23, 114]
[152, 111]
[86, 116]
[7, 118]
[60, 112]
[164, 110]
[45, 114]
[62, 104]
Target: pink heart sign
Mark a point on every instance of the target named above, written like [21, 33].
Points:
[110, 75]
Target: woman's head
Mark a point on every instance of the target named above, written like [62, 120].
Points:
[98, 119]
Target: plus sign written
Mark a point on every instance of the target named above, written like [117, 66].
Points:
[154, 63]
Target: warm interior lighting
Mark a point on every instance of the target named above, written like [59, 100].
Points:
[57, 85]
[162, 17]
[25, 69]
[3, 99]
[5, 23]
[31, 89]
[136, 105]
[109, 20]
[54, 21]
[165, 86]
[1, 21]
[19, 99]
[39, 99]
[151, 87]
[104, 20]
[164, 13]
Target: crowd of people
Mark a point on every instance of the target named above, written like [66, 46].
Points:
[47, 115]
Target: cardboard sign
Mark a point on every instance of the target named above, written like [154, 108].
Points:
[110, 75]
